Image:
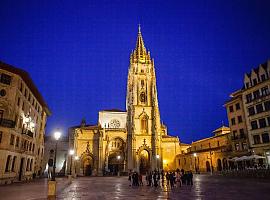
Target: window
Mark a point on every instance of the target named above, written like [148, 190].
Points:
[23, 106]
[247, 85]
[237, 106]
[242, 133]
[21, 86]
[265, 138]
[237, 147]
[33, 149]
[240, 119]
[144, 125]
[267, 105]
[263, 77]
[249, 98]
[256, 94]
[11, 139]
[256, 139]
[268, 120]
[254, 125]
[244, 146]
[1, 135]
[17, 141]
[264, 91]
[251, 111]
[8, 163]
[231, 108]
[218, 143]
[254, 81]
[233, 121]
[234, 134]
[13, 164]
[262, 123]
[259, 108]
[6, 79]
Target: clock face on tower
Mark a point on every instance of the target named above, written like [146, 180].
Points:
[142, 97]
[114, 123]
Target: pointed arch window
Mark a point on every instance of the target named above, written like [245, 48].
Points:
[144, 124]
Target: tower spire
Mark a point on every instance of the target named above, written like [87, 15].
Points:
[140, 53]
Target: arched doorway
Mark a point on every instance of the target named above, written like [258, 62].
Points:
[219, 166]
[87, 165]
[208, 168]
[115, 163]
[225, 164]
[116, 156]
[144, 160]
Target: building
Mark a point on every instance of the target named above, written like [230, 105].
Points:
[237, 122]
[134, 139]
[256, 101]
[23, 115]
[207, 155]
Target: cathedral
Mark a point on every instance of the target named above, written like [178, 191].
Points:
[134, 139]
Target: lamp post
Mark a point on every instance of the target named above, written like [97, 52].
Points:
[118, 158]
[211, 153]
[71, 153]
[57, 136]
[75, 166]
[52, 183]
[195, 156]
[157, 156]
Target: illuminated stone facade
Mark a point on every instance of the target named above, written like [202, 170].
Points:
[128, 140]
[23, 115]
[207, 155]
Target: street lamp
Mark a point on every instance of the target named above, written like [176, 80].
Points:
[157, 156]
[57, 136]
[195, 156]
[71, 153]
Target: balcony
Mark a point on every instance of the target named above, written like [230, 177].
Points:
[7, 123]
[28, 133]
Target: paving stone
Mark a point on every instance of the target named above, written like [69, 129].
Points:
[103, 188]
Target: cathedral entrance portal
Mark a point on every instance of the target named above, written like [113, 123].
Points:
[144, 160]
[115, 163]
[87, 164]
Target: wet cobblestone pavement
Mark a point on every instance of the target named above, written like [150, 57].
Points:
[205, 187]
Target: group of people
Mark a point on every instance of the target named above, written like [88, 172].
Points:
[159, 178]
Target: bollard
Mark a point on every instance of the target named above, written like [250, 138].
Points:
[51, 189]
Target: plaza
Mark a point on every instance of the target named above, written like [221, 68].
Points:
[205, 187]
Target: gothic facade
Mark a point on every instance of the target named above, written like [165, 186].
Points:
[134, 139]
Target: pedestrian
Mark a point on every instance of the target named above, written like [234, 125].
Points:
[140, 179]
[129, 177]
[150, 179]
[178, 179]
[171, 178]
[155, 179]
[191, 178]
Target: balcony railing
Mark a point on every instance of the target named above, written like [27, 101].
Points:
[7, 123]
[28, 133]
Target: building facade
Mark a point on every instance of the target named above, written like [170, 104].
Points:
[134, 139]
[237, 123]
[256, 101]
[207, 155]
[23, 115]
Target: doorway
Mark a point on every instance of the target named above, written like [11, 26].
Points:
[144, 161]
[21, 169]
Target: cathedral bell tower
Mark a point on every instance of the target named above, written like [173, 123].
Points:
[143, 118]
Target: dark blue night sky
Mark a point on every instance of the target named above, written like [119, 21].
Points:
[77, 53]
